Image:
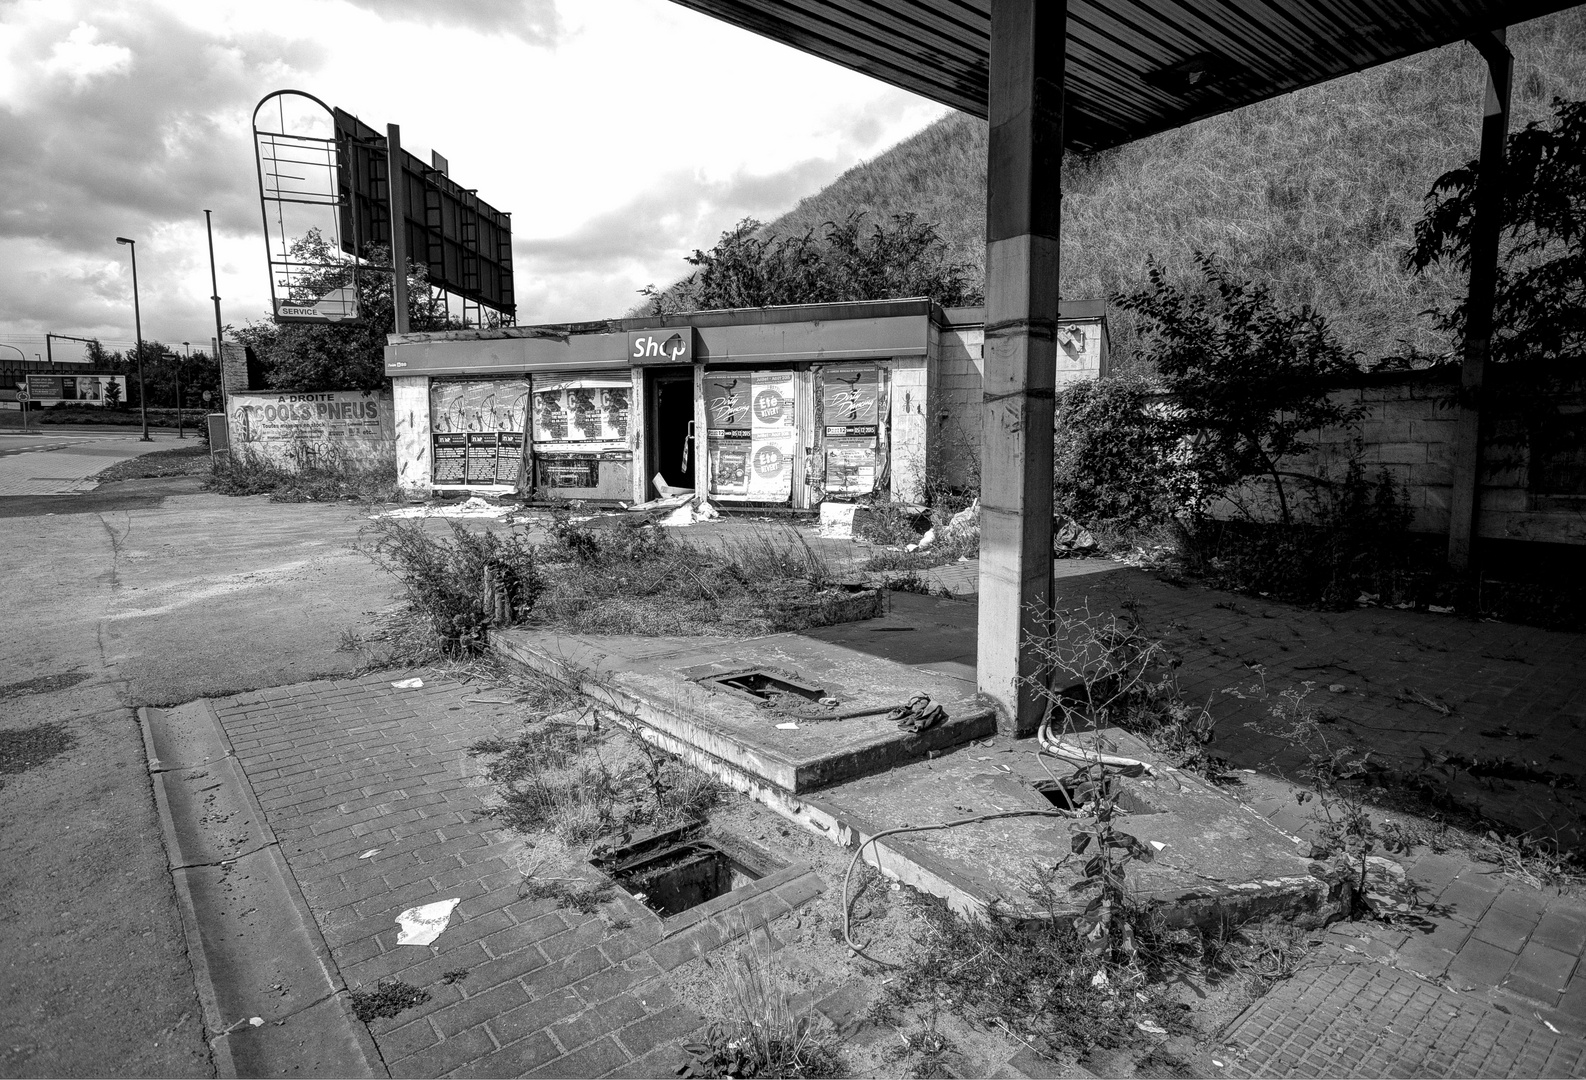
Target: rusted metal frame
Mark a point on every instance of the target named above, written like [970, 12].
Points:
[889, 25]
[397, 196]
[1486, 228]
[1023, 222]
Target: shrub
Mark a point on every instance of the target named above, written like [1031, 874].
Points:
[461, 587]
[1112, 462]
[239, 474]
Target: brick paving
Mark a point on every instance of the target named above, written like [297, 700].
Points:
[342, 767]
[1364, 1019]
[1413, 687]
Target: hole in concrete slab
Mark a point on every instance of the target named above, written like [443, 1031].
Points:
[1072, 793]
[42, 684]
[759, 685]
[673, 877]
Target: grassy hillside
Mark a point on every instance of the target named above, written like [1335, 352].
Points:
[1315, 193]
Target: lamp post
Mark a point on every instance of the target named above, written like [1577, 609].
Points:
[188, 348]
[22, 384]
[137, 323]
[214, 289]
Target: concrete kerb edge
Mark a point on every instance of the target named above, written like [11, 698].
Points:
[198, 956]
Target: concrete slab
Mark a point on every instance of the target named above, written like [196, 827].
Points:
[1217, 858]
[657, 681]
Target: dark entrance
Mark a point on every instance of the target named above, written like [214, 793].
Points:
[671, 450]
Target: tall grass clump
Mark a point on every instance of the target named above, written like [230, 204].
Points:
[242, 474]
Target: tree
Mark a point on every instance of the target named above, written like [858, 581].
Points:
[749, 269]
[339, 356]
[1539, 311]
[112, 395]
[1248, 379]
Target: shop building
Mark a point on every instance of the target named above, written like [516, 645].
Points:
[784, 406]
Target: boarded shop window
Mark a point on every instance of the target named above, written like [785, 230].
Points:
[751, 428]
[583, 409]
[477, 430]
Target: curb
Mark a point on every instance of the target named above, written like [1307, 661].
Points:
[244, 918]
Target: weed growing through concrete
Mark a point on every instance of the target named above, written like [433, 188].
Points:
[766, 1035]
[580, 896]
[454, 976]
[388, 997]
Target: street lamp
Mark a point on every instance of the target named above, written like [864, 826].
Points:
[189, 348]
[137, 322]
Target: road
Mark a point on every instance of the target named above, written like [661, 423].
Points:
[64, 461]
[144, 592]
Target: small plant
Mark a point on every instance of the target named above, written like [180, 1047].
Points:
[766, 1035]
[580, 896]
[454, 976]
[246, 474]
[388, 997]
[927, 1050]
[1365, 884]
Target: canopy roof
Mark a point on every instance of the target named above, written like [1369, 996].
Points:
[1134, 67]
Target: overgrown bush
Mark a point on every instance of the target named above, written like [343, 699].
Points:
[462, 586]
[239, 474]
[1113, 459]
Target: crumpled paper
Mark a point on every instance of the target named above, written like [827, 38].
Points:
[423, 924]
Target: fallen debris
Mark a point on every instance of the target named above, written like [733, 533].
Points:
[407, 684]
[423, 924]
[474, 507]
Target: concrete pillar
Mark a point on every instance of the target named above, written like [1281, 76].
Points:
[1023, 215]
[1486, 225]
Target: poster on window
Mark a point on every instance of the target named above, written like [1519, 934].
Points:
[773, 435]
[591, 410]
[850, 398]
[477, 430]
[850, 469]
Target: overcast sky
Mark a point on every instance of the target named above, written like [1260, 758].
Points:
[620, 134]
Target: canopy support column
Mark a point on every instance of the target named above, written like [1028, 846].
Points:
[1023, 218]
[1486, 225]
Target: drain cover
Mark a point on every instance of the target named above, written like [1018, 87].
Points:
[759, 685]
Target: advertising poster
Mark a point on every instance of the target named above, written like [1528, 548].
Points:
[298, 430]
[477, 430]
[447, 466]
[583, 409]
[773, 435]
[850, 425]
[82, 389]
[728, 434]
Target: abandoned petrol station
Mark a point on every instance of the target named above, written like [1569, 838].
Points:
[785, 406]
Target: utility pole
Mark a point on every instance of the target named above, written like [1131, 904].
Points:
[214, 294]
[189, 349]
[137, 322]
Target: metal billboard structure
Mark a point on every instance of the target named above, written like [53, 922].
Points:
[326, 197]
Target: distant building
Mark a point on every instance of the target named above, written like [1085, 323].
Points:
[783, 406]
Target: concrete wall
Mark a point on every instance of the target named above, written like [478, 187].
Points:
[410, 396]
[1408, 429]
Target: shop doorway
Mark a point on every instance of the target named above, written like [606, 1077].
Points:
[671, 450]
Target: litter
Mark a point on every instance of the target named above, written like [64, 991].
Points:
[1159, 845]
[1100, 980]
[371, 853]
[667, 490]
[918, 714]
[258, 1021]
[787, 727]
[1070, 538]
[407, 684]
[1336, 688]
[693, 510]
[474, 507]
[1438, 609]
[1217, 1063]
[837, 520]
[423, 924]
[1150, 1027]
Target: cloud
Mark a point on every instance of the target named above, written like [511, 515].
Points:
[82, 58]
[534, 21]
[595, 270]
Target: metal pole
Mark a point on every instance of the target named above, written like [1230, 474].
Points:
[396, 196]
[189, 349]
[137, 322]
[214, 290]
[1023, 221]
[1486, 227]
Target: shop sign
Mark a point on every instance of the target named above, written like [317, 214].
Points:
[663, 346]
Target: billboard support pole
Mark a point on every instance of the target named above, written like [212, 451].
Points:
[396, 192]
